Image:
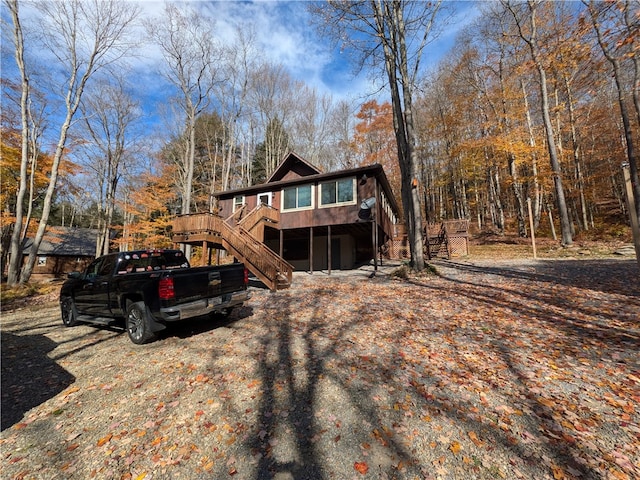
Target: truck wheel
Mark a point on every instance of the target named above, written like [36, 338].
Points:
[138, 323]
[69, 312]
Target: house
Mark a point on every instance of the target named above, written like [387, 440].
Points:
[327, 221]
[308, 219]
[62, 250]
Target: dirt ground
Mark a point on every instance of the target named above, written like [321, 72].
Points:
[488, 369]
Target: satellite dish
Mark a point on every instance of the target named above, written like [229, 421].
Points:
[365, 208]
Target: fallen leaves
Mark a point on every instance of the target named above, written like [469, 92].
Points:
[70, 390]
[475, 440]
[104, 440]
[361, 467]
[485, 378]
[455, 447]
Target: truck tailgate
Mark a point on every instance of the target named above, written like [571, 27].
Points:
[207, 282]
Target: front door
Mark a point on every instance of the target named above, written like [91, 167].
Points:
[335, 254]
[264, 198]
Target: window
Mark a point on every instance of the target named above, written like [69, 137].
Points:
[338, 192]
[264, 198]
[92, 269]
[42, 261]
[238, 202]
[297, 198]
[107, 266]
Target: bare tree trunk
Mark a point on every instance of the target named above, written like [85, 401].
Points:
[607, 48]
[579, 177]
[390, 23]
[631, 24]
[517, 192]
[109, 114]
[537, 200]
[105, 23]
[15, 249]
[505, 124]
[532, 41]
[494, 199]
[384, 24]
[186, 42]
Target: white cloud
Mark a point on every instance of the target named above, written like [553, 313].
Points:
[284, 35]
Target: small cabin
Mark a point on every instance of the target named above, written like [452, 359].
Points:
[62, 250]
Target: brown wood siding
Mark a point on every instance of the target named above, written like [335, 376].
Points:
[58, 267]
[291, 175]
[318, 217]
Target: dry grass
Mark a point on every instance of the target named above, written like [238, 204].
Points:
[511, 246]
[9, 296]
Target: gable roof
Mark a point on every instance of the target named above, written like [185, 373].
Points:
[66, 241]
[292, 162]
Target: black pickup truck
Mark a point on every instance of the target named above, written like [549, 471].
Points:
[148, 290]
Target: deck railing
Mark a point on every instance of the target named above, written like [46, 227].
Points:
[196, 223]
[259, 214]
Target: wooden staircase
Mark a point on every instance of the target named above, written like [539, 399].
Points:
[447, 239]
[242, 238]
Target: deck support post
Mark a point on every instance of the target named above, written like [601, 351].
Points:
[311, 250]
[281, 243]
[329, 249]
[205, 252]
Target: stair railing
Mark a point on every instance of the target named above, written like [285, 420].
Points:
[261, 213]
[267, 265]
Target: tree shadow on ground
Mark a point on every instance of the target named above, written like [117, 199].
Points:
[299, 358]
[29, 377]
[577, 312]
[296, 365]
[199, 325]
[606, 275]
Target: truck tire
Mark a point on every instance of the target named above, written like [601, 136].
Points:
[138, 323]
[69, 312]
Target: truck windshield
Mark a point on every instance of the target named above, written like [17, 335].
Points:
[152, 261]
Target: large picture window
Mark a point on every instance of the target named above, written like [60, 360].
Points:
[338, 192]
[296, 198]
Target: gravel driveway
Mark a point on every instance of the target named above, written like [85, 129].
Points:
[524, 369]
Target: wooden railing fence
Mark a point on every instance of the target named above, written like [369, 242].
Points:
[446, 239]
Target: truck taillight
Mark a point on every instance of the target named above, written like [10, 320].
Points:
[165, 288]
[246, 276]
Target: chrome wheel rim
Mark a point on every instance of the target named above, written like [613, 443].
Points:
[135, 324]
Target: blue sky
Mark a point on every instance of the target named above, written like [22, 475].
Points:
[284, 35]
